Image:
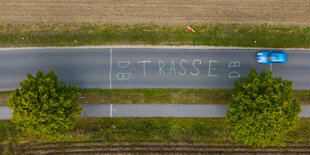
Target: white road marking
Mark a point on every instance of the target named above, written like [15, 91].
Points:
[110, 110]
[110, 77]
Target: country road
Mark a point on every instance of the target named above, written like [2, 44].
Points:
[146, 68]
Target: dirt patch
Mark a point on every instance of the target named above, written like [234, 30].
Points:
[159, 148]
[172, 12]
[4, 98]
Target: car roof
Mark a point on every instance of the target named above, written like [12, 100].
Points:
[273, 51]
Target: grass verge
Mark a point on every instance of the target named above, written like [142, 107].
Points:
[155, 96]
[4, 97]
[154, 130]
[138, 130]
[17, 35]
[159, 96]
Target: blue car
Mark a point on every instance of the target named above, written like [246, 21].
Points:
[271, 57]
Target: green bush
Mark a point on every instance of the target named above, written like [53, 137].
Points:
[44, 106]
[262, 109]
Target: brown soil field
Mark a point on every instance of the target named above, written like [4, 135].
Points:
[170, 12]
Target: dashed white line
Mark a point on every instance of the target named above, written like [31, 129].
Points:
[110, 110]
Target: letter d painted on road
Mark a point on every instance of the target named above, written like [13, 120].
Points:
[234, 74]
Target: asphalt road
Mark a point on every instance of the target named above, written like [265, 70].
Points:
[152, 110]
[146, 68]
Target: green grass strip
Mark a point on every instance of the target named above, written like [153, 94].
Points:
[158, 96]
[190, 130]
[17, 35]
[167, 96]
[155, 96]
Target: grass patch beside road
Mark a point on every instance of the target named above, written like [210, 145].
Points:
[157, 130]
[303, 96]
[167, 96]
[190, 130]
[155, 96]
[136, 130]
[19, 35]
[4, 97]
[159, 96]
[132, 130]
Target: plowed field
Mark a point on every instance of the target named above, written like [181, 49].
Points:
[171, 12]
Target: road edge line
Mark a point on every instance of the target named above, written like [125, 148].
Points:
[110, 76]
[111, 110]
